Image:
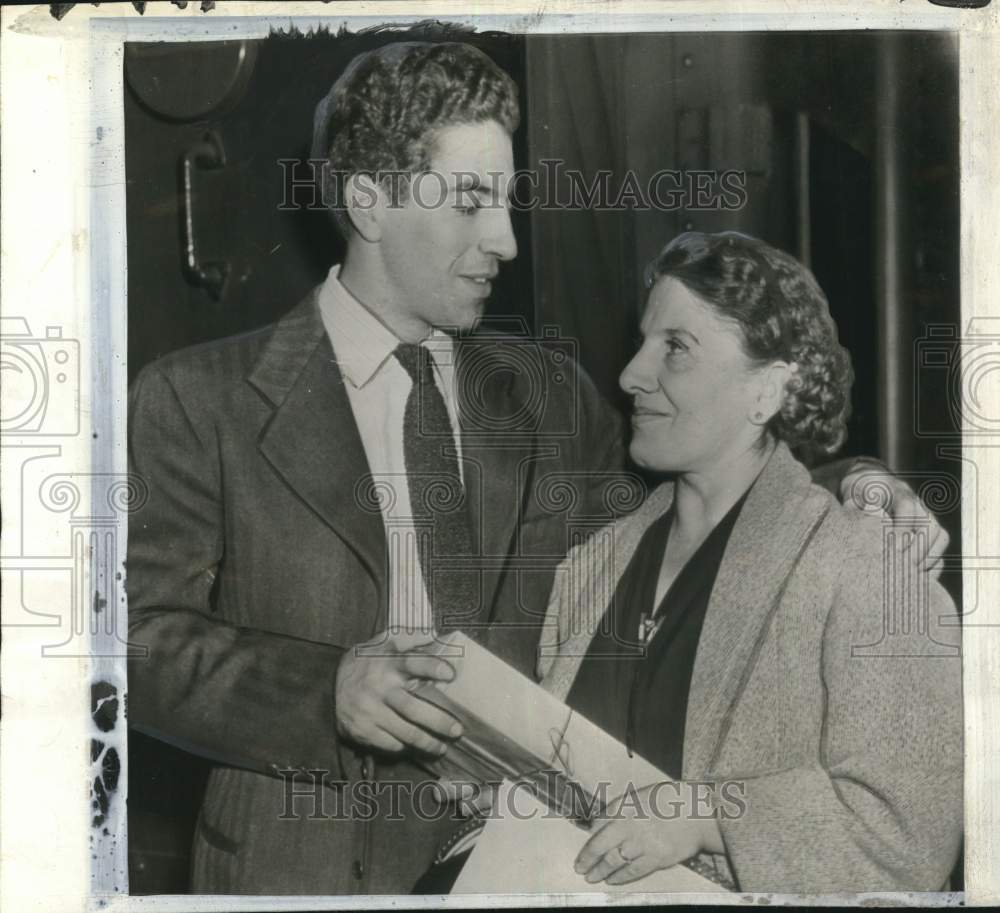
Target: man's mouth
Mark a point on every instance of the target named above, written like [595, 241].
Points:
[481, 281]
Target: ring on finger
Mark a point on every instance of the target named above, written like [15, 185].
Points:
[628, 857]
[616, 857]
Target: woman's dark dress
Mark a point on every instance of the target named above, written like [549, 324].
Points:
[640, 695]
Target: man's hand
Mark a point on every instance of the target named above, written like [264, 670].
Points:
[874, 491]
[374, 702]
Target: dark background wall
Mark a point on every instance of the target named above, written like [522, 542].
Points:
[804, 115]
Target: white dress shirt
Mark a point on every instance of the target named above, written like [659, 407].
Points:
[377, 388]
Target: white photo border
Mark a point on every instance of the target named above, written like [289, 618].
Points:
[64, 266]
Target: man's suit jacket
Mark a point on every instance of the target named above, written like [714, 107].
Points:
[848, 738]
[259, 557]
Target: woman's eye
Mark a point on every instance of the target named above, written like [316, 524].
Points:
[675, 347]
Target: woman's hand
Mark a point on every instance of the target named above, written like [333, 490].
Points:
[646, 830]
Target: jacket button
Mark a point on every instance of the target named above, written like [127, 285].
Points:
[358, 869]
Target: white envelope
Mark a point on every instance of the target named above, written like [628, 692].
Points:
[511, 717]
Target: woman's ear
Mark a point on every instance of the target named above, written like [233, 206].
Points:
[770, 393]
[365, 206]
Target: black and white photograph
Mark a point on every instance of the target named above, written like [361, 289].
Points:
[480, 454]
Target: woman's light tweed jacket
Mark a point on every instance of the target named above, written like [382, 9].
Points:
[848, 738]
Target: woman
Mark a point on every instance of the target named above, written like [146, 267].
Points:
[749, 608]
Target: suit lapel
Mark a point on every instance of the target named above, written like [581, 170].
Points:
[778, 520]
[313, 443]
[312, 440]
[497, 450]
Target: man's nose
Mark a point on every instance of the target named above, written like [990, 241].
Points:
[638, 376]
[498, 235]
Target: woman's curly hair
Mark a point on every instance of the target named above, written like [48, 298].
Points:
[783, 315]
[380, 116]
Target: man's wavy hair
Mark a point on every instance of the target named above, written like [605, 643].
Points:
[381, 114]
[782, 314]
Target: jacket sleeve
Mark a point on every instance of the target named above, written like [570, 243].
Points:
[882, 809]
[244, 697]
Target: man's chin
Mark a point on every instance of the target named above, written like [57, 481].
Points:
[470, 317]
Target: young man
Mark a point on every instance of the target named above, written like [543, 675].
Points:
[279, 572]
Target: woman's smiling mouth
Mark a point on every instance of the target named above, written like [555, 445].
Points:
[642, 414]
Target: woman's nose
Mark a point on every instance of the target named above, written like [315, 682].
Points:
[637, 376]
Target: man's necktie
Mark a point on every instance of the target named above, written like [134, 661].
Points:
[437, 496]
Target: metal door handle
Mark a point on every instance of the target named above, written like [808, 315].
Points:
[208, 154]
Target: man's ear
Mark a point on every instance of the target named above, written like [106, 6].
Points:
[771, 384]
[365, 206]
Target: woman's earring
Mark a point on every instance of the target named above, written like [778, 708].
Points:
[758, 416]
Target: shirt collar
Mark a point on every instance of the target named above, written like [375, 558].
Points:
[361, 342]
